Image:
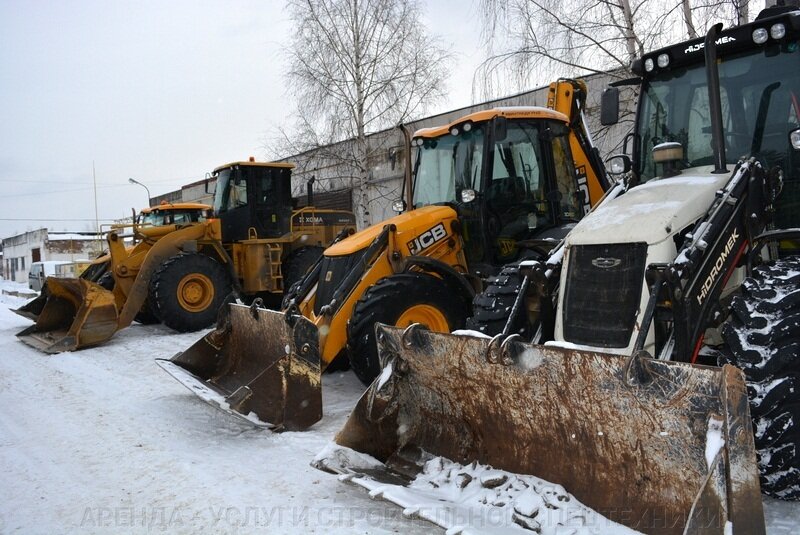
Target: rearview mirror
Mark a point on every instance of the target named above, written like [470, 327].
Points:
[618, 164]
[609, 106]
[794, 139]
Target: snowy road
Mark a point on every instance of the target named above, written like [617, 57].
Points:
[103, 441]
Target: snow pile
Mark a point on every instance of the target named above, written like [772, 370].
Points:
[522, 500]
[475, 498]
[714, 440]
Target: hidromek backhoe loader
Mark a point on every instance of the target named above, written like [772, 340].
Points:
[182, 272]
[626, 406]
[492, 187]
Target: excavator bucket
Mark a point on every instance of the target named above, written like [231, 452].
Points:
[660, 447]
[258, 364]
[69, 314]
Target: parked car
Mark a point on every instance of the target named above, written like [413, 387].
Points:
[40, 271]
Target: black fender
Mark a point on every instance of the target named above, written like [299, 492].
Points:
[459, 281]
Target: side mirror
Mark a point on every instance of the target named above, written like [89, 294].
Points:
[399, 206]
[468, 195]
[794, 139]
[609, 106]
[619, 164]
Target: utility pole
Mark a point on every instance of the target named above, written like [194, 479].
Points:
[96, 218]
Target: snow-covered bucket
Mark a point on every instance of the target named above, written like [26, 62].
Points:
[660, 447]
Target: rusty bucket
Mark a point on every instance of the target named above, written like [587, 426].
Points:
[662, 447]
[259, 365]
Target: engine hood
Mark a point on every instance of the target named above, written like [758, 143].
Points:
[651, 212]
[413, 222]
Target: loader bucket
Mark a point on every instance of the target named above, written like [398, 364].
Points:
[258, 364]
[71, 314]
[661, 447]
[33, 308]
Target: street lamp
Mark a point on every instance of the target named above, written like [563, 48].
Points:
[132, 181]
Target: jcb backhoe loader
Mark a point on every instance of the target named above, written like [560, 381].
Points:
[602, 373]
[181, 273]
[492, 187]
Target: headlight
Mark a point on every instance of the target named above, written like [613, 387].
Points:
[454, 131]
[467, 127]
[663, 60]
[648, 64]
[760, 36]
[778, 31]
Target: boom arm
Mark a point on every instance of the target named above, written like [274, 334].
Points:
[569, 97]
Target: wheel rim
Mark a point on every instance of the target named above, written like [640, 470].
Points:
[195, 292]
[428, 315]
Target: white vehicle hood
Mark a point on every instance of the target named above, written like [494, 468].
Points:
[651, 212]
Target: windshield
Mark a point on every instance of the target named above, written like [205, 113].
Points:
[158, 218]
[760, 96]
[228, 194]
[518, 184]
[446, 165]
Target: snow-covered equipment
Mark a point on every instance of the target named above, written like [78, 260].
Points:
[661, 447]
[187, 259]
[690, 268]
[494, 186]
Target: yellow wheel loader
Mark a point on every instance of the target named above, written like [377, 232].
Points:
[181, 270]
[150, 224]
[612, 364]
[495, 186]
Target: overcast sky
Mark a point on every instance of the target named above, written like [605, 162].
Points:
[159, 91]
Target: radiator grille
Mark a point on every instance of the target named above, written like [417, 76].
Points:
[604, 287]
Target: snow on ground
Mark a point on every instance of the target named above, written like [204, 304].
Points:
[103, 441]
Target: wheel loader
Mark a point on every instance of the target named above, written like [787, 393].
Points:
[650, 363]
[492, 187]
[179, 272]
[149, 224]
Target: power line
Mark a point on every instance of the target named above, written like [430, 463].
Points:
[54, 220]
[182, 181]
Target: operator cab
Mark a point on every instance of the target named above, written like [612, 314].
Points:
[760, 114]
[253, 200]
[509, 174]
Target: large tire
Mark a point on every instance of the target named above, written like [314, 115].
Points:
[187, 290]
[762, 337]
[400, 300]
[298, 263]
[491, 308]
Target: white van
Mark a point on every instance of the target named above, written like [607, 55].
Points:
[40, 271]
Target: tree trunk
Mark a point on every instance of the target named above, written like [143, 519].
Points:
[687, 19]
[631, 40]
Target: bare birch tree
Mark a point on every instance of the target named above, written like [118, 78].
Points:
[356, 67]
[531, 41]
